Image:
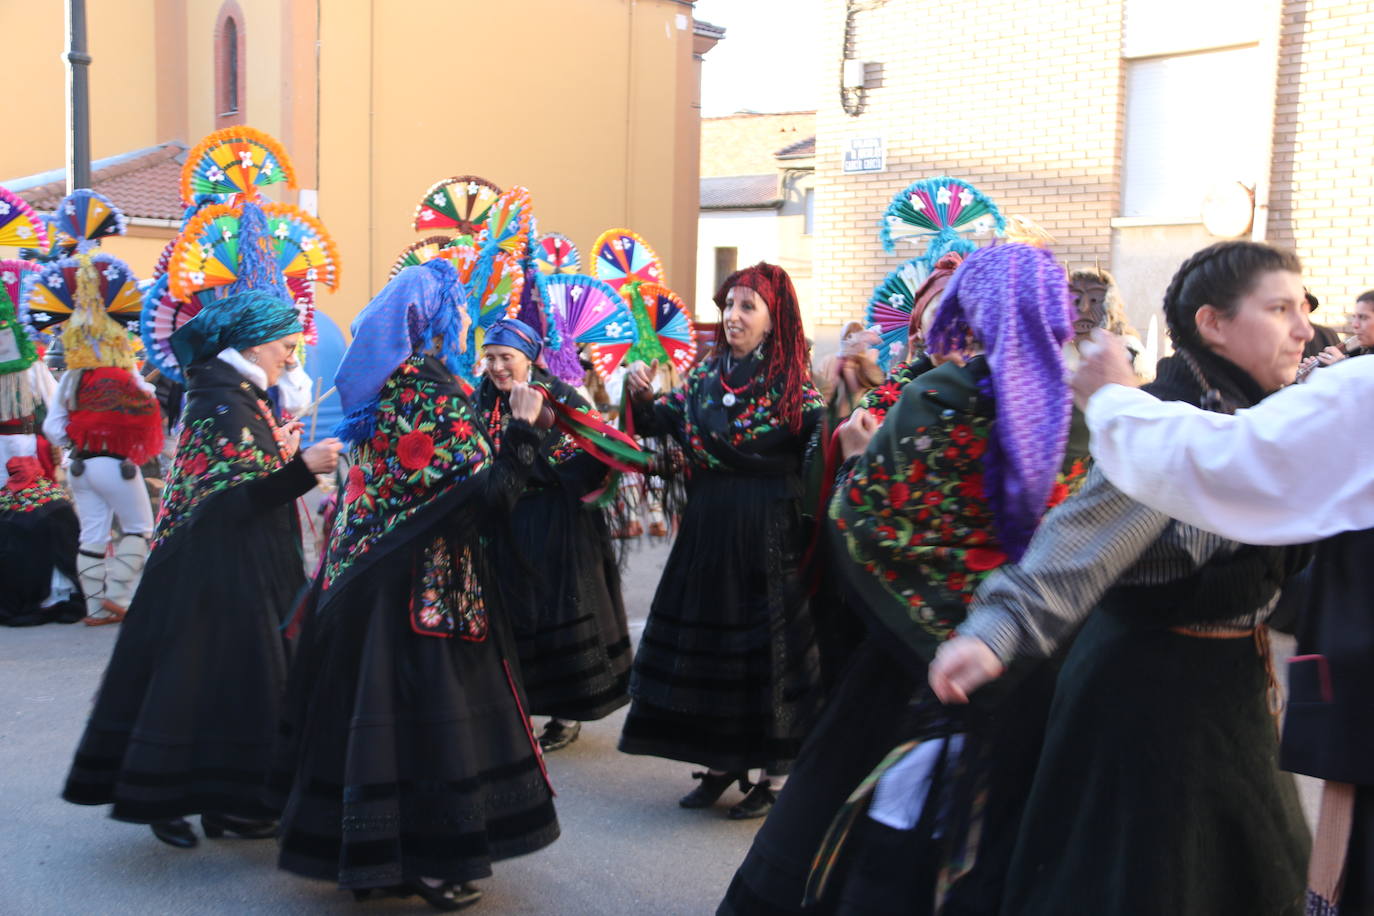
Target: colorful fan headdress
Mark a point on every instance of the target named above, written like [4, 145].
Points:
[621, 256]
[943, 211]
[585, 311]
[662, 326]
[96, 299]
[555, 253]
[1013, 299]
[20, 226]
[234, 241]
[83, 218]
[458, 204]
[899, 303]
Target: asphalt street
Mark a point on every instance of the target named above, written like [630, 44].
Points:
[626, 848]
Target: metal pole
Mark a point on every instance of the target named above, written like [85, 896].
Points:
[78, 99]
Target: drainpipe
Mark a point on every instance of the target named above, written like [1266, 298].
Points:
[1270, 49]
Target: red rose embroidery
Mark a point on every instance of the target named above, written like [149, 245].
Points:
[461, 428]
[976, 448]
[972, 487]
[407, 395]
[1058, 494]
[380, 442]
[414, 449]
[956, 582]
[916, 473]
[356, 484]
[981, 559]
[228, 450]
[898, 494]
[198, 464]
[934, 498]
[961, 434]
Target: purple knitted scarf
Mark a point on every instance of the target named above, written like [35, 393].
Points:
[1013, 300]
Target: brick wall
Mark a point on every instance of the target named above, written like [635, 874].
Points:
[1322, 199]
[1023, 100]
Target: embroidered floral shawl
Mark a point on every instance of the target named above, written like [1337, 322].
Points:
[229, 436]
[427, 445]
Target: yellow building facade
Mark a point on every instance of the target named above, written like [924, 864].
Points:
[592, 105]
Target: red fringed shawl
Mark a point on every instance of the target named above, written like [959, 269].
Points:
[113, 414]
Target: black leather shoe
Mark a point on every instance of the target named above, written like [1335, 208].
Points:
[216, 825]
[176, 833]
[448, 896]
[557, 736]
[712, 787]
[757, 803]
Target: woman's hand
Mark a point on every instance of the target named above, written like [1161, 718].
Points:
[525, 402]
[855, 434]
[961, 666]
[291, 438]
[1331, 355]
[640, 377]
[323, 456]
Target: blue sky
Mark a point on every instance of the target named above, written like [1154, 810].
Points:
[768, 60]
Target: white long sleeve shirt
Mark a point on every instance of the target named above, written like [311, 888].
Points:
[1297, 467]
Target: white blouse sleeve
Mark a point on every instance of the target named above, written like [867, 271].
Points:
[1294, 468]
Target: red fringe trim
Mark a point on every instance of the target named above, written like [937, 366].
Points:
[137, 437]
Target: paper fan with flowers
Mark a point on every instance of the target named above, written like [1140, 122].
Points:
[586, 310]
[84, 217]
[419, 252]
[889, 308]
[52, 292]
[162, 314]
[20, 226]
[237, 160]
[662, 326]
[302, 246]
[944, 212]
[620, 256]
[13, 274]
[459, 204]
[555, 253]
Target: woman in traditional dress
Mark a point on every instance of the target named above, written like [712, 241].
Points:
[407, 763]
[726, 675]
[925, 505]
[556, 566]
[188, 709]
[1158, 789]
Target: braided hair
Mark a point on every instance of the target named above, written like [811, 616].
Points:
[1218, 275]
[787, 361]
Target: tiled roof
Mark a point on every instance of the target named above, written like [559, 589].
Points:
[145, 183]
[802, 149]
[740, 192]
[747, 143]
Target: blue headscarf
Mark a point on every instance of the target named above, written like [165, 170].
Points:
[418, 309]
[514, 333]
[242, 320]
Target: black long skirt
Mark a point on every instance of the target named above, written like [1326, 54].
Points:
[187, 713]
[32, 545]
[881, 702]
[566, 608]
[1158, 789]
[404, 755]
[727, 672]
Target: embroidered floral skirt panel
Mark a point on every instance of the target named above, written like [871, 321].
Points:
[726, 674]
[404, 755]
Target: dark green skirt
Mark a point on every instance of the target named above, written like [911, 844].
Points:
[1158, 789]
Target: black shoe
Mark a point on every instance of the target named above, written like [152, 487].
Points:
[176, 833]
[712, 786]
[216, 825]
[757, 803]
[447, 896]
[557, 736]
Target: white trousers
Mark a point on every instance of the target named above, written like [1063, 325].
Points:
[102, 495]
